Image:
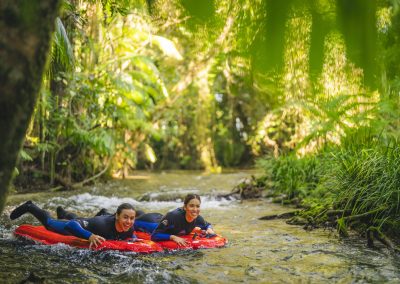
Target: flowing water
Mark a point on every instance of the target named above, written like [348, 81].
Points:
[258, 251]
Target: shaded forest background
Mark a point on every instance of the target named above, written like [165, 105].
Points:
[209, 84]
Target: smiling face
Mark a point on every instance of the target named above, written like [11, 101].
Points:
[124, 220]
[192, 209]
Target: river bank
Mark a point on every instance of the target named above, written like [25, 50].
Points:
[351, 186]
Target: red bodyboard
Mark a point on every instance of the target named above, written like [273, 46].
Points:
[197, 242]
[145, 245]
[44, 236]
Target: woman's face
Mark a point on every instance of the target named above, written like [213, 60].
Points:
[192, 209]
[124, 220]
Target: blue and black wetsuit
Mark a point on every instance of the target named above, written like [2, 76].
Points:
[174, 223]
[84, 227]
[145, 222]
[81, 227]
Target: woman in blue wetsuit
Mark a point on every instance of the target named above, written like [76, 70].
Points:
[97, 229]
[181, 221]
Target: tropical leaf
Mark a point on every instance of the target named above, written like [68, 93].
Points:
[61, 52]
[25, 156]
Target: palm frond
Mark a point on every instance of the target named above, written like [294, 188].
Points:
[62, 57]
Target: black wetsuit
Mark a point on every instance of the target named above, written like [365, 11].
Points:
[174, 223]
[144, 223]
[84, 227]
[147, 222]
[104, 226]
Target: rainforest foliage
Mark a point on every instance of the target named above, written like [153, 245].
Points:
[310, 88]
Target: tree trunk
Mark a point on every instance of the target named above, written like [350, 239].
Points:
[26, 27]
[204, 121]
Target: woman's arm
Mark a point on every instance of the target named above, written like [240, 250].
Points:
[178, 240]
[166, 237]
[76, 229]
[95, 240]
[204, 225]
[161, 232]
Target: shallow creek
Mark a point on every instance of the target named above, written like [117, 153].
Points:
[258, 251]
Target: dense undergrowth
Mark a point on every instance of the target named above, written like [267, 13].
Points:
[352, 186]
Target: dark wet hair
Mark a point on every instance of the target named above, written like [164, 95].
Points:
[125, 206]
[189, 197]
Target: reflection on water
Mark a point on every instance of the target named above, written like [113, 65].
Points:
[258, 251]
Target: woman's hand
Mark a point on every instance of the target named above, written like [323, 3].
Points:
[210, 231]
[95, 240]
[197, 230]
[178, 240]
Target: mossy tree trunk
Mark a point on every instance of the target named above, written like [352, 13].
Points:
[26, 27]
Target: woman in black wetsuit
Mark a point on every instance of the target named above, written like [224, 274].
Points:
[182, 221]
[97, 229]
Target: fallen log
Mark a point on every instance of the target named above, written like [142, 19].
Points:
[375, 233]
[335, 213]
[363, 215]
[285, 215]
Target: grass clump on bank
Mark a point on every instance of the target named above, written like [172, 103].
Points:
[367, 184]
[356, 185]
[293, 180]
